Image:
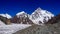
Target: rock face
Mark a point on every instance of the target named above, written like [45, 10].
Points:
[21, 20]
[4, 19]
[48, 28]
[54, 20]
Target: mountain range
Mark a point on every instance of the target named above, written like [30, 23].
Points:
[39, 16]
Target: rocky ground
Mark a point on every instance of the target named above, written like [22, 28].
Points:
[38, 29]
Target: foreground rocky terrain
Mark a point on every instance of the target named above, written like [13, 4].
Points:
[38, 29]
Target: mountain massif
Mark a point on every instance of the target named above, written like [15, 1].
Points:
[39, 16]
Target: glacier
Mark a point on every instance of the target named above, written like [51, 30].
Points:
[12, 28]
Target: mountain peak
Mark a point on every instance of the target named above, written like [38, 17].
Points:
[6, 15]
[38, 8]
[20, 13]
[41, 16]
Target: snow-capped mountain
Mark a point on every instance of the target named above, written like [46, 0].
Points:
[37, 17]
[21, 14]
[41, 16]
[6, 15]
[22, 18]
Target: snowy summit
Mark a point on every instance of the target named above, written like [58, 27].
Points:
[6, 15]
[20, 13]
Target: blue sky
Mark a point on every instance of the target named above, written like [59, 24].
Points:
[14, 6]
